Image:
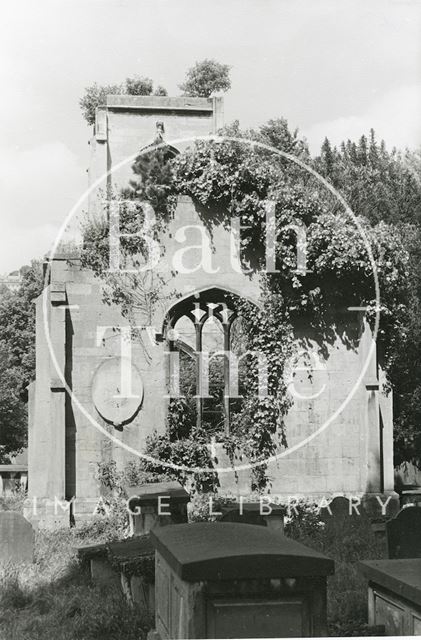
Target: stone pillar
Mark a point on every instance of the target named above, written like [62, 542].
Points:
[373, 479]
[58, 392]
[379, 435]
[374, 455]
[386, 420]
[100, 162]
[46, 442]
[218, 113]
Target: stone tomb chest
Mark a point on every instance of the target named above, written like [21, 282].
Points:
[231, 580]
[128, 564]
[394, 595]
[158, 503]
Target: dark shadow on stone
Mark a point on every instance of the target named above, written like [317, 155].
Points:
[70, 444]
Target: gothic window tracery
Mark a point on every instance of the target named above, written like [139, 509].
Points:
[202, 331]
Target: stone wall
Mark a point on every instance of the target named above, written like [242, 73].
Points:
[65, 446]
[128, 123]
[67, 435]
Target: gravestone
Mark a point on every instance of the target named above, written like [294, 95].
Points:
[343, 512]
[338, 509]
[353, 525]
[411, 497]
[394, 595]
[231, 580]
[404, 534]
[341, 517]
[16, 538]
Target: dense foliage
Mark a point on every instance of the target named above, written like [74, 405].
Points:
[386, 186]
[17, 359]
[206, 77]
[95, 94]
[202, 80]
[377, 184]
[235, 179]
[54, 597]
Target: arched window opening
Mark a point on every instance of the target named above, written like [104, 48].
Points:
[205, 339]
[238, 349]
[213, 344]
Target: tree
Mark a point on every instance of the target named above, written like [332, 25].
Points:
[376, 183]
[205, 78]
[327, 158]
[385, 186]
[277, 134]
[160, 91]
[17, 359]
[138, 86]
[13, 415]
[235, 179]
[95, 96]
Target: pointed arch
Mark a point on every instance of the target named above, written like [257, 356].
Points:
[218, 306]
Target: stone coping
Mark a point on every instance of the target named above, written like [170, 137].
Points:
[250, 507]
[229, 551]
[131, 548]
[119, 551]
[159, 103]
[89, 551]
[402, 577]
[148, 494]
[16, 468]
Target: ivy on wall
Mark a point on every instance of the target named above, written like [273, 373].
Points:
[236, 180]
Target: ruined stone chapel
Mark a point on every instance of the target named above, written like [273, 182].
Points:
[353, 455]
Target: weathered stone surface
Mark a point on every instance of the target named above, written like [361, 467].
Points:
[400, 576]
[109, 560]
[228, 551]
[404, 534]
[65, 447]
[149, 494]
[103, 573]
[345, 521]
[16, 538]
[394, 595]
[156, 503]
[212, 582]
[253, 513]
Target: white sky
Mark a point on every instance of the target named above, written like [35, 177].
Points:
[331, 67]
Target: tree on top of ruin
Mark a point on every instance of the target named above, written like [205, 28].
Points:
[95, 95]
[205, 78]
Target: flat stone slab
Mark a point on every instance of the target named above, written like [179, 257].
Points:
[229, 551]
[402, 577]
[251, 507]
[118, 553]
[148, 494]
[90, 551]
[16, 538]
[130, 549]
[13, 468]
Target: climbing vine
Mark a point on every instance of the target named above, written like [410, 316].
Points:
[237, 180]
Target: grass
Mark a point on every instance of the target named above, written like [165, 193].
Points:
[347, 540]
[53, 598]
